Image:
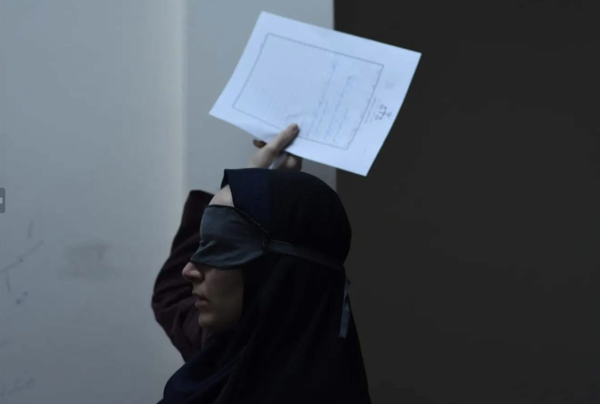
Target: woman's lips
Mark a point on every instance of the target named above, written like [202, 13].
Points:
[200, 301]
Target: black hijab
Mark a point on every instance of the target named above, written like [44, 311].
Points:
[287, 346]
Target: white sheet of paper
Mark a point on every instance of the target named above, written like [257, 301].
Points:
[343, 91]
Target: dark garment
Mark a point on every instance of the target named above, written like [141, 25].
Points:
[287, 346]
[172, 301]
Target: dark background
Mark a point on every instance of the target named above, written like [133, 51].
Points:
[476, 248]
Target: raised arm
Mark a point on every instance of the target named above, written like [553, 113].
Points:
[172, 300]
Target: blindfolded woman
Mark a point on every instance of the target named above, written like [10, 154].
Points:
[261, 313]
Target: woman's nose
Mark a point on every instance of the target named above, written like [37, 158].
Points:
[191, 273]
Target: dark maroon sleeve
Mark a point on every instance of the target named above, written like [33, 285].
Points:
[172, 300]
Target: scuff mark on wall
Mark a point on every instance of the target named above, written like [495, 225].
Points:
[22, 258]
[30, 229]
[85, 261]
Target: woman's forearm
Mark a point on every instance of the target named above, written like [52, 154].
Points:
[172, 300]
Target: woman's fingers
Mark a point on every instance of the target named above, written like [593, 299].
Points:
[295, 162]
[291, 162]
[270, 152]
[259, 143]
[281, 142]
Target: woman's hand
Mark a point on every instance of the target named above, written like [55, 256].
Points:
[269, 152]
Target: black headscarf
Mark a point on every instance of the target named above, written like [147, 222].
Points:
[287, 346]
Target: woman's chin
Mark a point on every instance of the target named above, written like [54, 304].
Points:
[205, 321]
[208, 322]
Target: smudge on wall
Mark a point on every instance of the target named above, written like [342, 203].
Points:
[86, 261]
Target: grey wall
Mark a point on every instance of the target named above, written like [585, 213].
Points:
[91, 159]
[476, 257]
[216, 34]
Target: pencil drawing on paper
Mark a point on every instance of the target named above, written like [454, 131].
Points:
[316, 88]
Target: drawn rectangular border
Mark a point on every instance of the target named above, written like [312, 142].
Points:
[262, 46]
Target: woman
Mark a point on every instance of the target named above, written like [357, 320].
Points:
[263, 315]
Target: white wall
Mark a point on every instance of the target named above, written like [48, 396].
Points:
[217, 32]
[91, 159]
